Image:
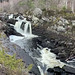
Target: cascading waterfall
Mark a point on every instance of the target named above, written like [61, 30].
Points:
[46, 58]
[17, 27]
[49, 59]
[27, 32]
[27, 28]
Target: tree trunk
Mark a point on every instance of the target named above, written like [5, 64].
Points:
[66, 3]
[72, 7]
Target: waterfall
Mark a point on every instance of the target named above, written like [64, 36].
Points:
[17, 27]
[49, 59]
[27, 32]
[27, 28]
[42, 57]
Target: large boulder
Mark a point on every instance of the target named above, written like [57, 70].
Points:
[37, 12]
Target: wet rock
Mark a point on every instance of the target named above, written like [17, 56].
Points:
[11, 21]
[50, 70]
[36, 53]
[35, 70]
[69, 69]
[1, 18]
[61, 55]
[46, 43]
[39, 40]
[22, 25]
[58, 69]
[71, 61]
[73, 51]
[11, 31]
[16, 15]
[56, 51]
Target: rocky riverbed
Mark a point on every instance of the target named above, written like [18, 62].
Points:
[53, 32]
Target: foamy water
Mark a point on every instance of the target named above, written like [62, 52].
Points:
[27, 32]
[17, 27]
[14, 38]
[10, 16]
[49, 59]
[46, 58]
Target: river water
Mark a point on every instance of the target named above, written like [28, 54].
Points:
[32, 53]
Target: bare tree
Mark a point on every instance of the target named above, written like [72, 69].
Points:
[72, 6]
[66, 3]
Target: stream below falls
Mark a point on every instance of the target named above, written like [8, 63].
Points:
[44, 61]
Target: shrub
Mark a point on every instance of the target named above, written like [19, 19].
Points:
[10, 61]
[11, 65]
[64, 8]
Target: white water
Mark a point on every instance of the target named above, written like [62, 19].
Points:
[28, 24]
[41, 71]
[14, 38]
[49, 59]
[17, 27]
[27, 32]
[18, 40]
[10, 16]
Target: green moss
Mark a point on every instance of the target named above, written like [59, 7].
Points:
[30, 67]
[64, 8]
[69, 14]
